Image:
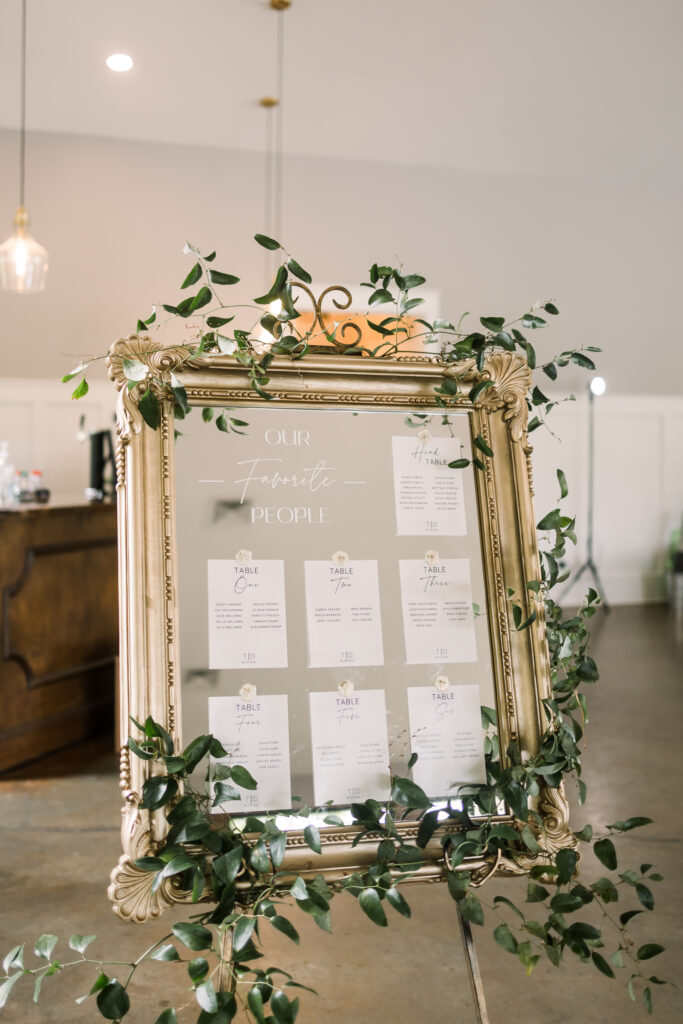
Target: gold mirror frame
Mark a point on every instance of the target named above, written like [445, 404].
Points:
[149, 678]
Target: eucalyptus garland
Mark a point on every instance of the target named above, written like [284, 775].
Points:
[234, 867]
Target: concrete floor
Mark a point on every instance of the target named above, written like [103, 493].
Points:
[60, 839]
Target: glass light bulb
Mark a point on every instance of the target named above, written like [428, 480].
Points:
[23, 263]
[119, 62]
[598, 386]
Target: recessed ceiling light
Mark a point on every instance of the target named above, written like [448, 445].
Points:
[119, 62]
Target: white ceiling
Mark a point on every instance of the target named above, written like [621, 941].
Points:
[586, 88]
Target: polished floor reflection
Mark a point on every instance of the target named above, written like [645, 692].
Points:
[59, 840]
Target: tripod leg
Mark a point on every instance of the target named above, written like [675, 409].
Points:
[473, 970]
[598, 586]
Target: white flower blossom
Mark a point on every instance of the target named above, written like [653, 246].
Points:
[248, 691]
[346, 687]
[243, 556]
[442, 683]
[340, 558]
[431, 557]
[423, 436]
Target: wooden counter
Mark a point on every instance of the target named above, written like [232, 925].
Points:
[58, 627]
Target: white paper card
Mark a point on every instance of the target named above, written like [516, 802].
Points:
[437, 611]
[343, 616]
[429, 496]
[447, 736]
[256, 735]
[350, 746]
[247, 614]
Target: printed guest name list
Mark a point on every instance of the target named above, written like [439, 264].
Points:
[247, 614]
[343, 614]
[437, 611]
[429, 495]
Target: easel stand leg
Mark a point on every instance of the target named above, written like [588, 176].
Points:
[473, 970]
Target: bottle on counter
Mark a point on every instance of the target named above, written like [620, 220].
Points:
[6, 476]
[39, 491]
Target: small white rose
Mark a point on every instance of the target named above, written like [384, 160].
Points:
[340, 558]
[423, 436]
[248, 691]
[346, 687]
[243, 556]
[431, 557]
[442, 683]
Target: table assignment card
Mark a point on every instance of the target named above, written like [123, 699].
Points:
[429, 496]
[247, 614]
[447, 735]
[255, 732]
[343, 613]
[350, 747]
[438, 622]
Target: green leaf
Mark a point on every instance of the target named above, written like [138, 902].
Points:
[626, 826]
[228, 865]
[80, 943]
[218, 321]
[168, 1016]
[194, 936]
[267, 243]
[472, 909]
[380, 296]
[201, 299]
[645, 896]
[602, 965]
[481, 444]
[218, 277]
[479, 388]
[408, 794]
[492, 323]
[649, 950]
[241, 777]
[276, 288]
[205, 994]
[150, 409]
[198, 969]
[551, 308]
[606, 853]
[81, 390]
[158, 791]
[15, 958]
[562, 480]
[165, 953]
[258, 858]
[74, 373]
[536, 893]
[193, 276]
[207, 414]
[505, 938]
[372, 905]
[7, 986]
[282, 1008]
[242, 932]
[45, 945]
[647, 999]
[397, 901]
[459, 464]
[255, 1003]
[113, 1002]
[312, 837]
[285, 926]
[299, 271]
[565, 861]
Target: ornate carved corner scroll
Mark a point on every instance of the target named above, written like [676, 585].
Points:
[159, 362]
[510, 380]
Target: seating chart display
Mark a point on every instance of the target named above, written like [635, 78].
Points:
[332, 602]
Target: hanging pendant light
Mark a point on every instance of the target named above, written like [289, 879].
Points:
[23, 262]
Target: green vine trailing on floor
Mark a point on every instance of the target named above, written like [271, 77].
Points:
[234, 867]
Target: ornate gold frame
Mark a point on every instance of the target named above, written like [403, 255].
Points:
[149, 681]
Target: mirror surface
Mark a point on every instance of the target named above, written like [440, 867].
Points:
[334, 553]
